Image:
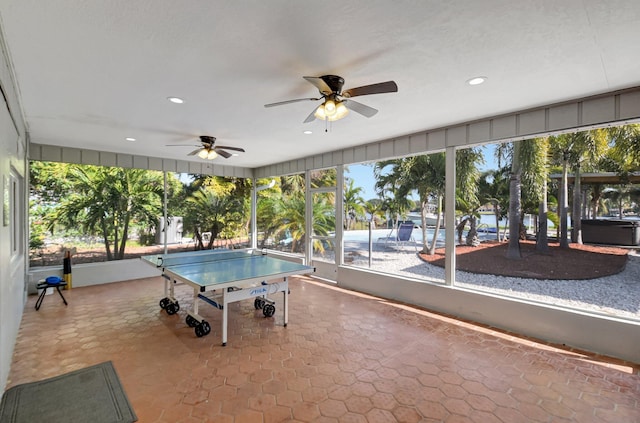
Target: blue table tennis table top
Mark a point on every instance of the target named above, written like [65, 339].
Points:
[211, 268]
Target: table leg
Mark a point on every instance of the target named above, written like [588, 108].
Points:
[196, 291]
[285, 292]
[171, 289]
[225, 310]
[41, 298]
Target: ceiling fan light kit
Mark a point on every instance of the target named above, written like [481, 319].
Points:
[207, 150]
[336, 105]
[207, 153]
[331, 111]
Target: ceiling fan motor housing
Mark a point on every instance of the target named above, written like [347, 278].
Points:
[334, 82]
[207, 139]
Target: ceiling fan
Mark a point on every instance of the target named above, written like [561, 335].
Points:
[336, 103]
[208, 149]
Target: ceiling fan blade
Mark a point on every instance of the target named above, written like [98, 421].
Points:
[311, 117]
[379, 88]
[319, 84]
[230, 148]
[194, 152]
[223, 153]
[360, 108]
[280, 103]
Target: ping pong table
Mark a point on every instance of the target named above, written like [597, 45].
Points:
[230, 276]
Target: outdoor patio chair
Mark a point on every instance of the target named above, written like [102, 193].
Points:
[403, 235]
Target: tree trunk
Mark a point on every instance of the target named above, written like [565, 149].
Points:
[294, 246]
[513, 249]
[198, 237]
[123, 241]
[576, 214]
[563, 205]
[424, 208]
[472, 235]
[497, 215]
[506, 229]
[432, 248]
[460, 229]
[620, 213]
[542, 240]
[105, 234]
[116, 240]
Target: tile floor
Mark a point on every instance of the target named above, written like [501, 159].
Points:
[344, 357]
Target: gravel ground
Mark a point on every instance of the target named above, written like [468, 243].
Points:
[617, 295]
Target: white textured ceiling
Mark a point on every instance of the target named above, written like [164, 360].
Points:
[92, 72]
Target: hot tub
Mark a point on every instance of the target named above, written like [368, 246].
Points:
[611, 232]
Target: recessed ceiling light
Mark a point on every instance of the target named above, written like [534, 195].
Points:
[477, 80]
[307, 132]
[130, 139]
[176, 100]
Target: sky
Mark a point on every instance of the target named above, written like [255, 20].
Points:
[363, 174]
[363, 177]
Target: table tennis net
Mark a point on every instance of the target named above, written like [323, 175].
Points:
[203, 256]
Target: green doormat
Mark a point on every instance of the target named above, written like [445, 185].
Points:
[87, 395]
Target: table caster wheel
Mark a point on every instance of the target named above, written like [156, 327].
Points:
[259, 303]
[164, 302]
[202, 329]
[191, 322]
[268, 310]
[172, 308]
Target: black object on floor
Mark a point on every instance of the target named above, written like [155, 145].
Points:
[50, 282]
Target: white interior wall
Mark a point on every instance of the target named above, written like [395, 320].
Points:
[12, 250]
[89, 274]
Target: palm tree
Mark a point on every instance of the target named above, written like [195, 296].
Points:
[527, 185]
[387, 186]
[424, 174]
[107, 200]
[533, 159]
[375, 209]
[574, 150]
[292, 211]
[353, 203]
[467, 189]
[515, 206]
[267, 218]
[212, 211]
[626, 146]
[48, 181]
[512, 151]
[493, 188]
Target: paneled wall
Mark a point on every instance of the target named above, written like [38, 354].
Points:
[50, 153]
